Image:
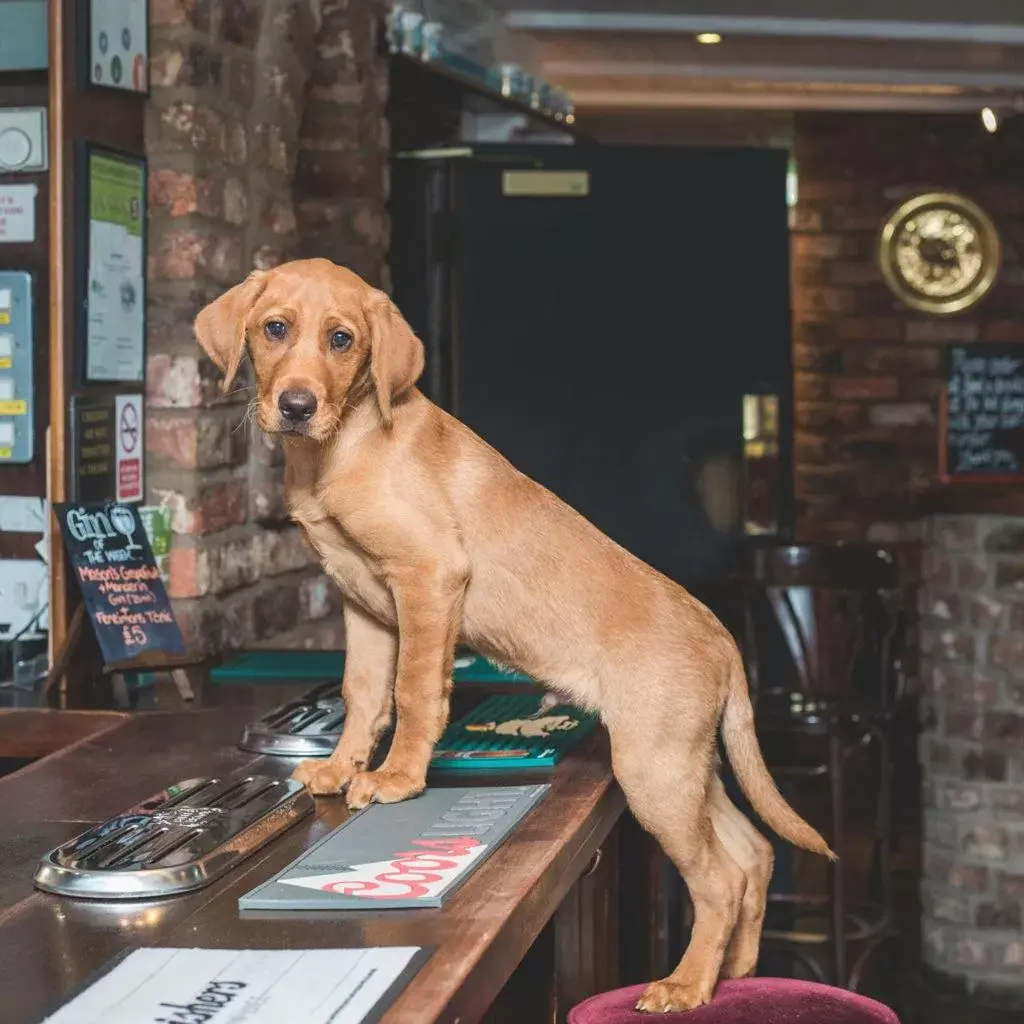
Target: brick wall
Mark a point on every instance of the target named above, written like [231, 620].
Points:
[266, 141]
[972, 643]
[867, 367]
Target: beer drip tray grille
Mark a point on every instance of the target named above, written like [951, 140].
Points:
[177, 841]
[308, 726]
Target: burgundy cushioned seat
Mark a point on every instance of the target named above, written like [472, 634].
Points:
[746, 1001]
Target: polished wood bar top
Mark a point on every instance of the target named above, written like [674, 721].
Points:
[36, 732]
[50, 946]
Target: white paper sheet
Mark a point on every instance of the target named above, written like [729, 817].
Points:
[231, 986]
[17, 213]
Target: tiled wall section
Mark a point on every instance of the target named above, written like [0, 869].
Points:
[266, 140]
[972, 747]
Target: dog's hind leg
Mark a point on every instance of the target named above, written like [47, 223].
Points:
[674, 806]
[754, 854]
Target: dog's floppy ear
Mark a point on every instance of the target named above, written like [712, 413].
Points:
[220, 326]
[396, 354]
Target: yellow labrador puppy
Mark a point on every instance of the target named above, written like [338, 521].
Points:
[434, 538]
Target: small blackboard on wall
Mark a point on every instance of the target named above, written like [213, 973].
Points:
[93, 449]
[982, 416]
[120, 583]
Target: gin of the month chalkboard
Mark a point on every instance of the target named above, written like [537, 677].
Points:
[983, 414]
[121, 587]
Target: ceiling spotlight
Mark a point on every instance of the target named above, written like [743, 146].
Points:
[990, 119]
[709, 38]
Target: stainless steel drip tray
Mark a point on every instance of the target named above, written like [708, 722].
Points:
[308, 726]
[177, 841]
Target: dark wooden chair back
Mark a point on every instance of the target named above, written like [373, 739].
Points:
[837, 613]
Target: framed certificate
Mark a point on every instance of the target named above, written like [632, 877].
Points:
[111, 271]
[115, 51]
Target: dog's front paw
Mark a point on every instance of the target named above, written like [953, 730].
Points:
[383, 786]
[671, 997]
[322, 777]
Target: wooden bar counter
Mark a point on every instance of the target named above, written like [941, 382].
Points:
[523, 939]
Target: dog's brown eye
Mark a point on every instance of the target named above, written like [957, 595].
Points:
[275, 330]
[340, 340]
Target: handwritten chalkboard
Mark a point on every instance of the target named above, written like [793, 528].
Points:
[983, 414]
[121, 587]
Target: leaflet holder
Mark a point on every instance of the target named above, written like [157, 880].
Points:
[17, 389]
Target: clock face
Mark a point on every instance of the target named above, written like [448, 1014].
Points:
[940, 253]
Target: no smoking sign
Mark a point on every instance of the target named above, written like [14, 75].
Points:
[128, 472]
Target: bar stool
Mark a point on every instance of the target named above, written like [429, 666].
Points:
[744, 1001]
[837, 615]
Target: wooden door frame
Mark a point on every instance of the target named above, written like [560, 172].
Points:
[113, 119]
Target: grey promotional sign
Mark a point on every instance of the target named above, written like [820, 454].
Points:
[398, 856]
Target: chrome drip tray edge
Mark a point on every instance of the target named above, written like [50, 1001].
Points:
[307, 726]
[177, 841]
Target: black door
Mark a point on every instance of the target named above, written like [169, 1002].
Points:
[604, 342]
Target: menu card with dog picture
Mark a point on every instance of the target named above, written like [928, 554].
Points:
[245, 986]
[510, 732]
[396, 856]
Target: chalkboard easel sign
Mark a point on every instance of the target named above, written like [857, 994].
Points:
[122, 592]
[982, 415]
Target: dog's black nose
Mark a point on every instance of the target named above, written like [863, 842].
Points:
[297, 405]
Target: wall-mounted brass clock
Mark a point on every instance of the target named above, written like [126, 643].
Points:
[940, 253]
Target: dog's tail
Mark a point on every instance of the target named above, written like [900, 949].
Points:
[748, 764]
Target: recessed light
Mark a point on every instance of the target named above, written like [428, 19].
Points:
[709, 38]
[990, 119]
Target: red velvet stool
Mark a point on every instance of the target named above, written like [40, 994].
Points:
[745, 1001]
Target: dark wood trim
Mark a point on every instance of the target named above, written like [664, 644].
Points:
[114, 120]
[62, 600]
[982, 499]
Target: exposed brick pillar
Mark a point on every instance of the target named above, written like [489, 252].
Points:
[341, 184]
[230, 81]
[972, 646]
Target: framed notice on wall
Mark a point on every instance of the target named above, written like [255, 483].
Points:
[116, 45]
[982, 414]
[111, 275]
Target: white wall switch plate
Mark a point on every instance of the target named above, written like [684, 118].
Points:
[23, 139]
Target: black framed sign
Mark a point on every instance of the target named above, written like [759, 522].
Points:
[110, 273]
[93, 448]
[115, 45]
[981, 419]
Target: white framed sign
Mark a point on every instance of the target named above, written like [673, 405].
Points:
[119, 45]
[128, 447]
[113, 278]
